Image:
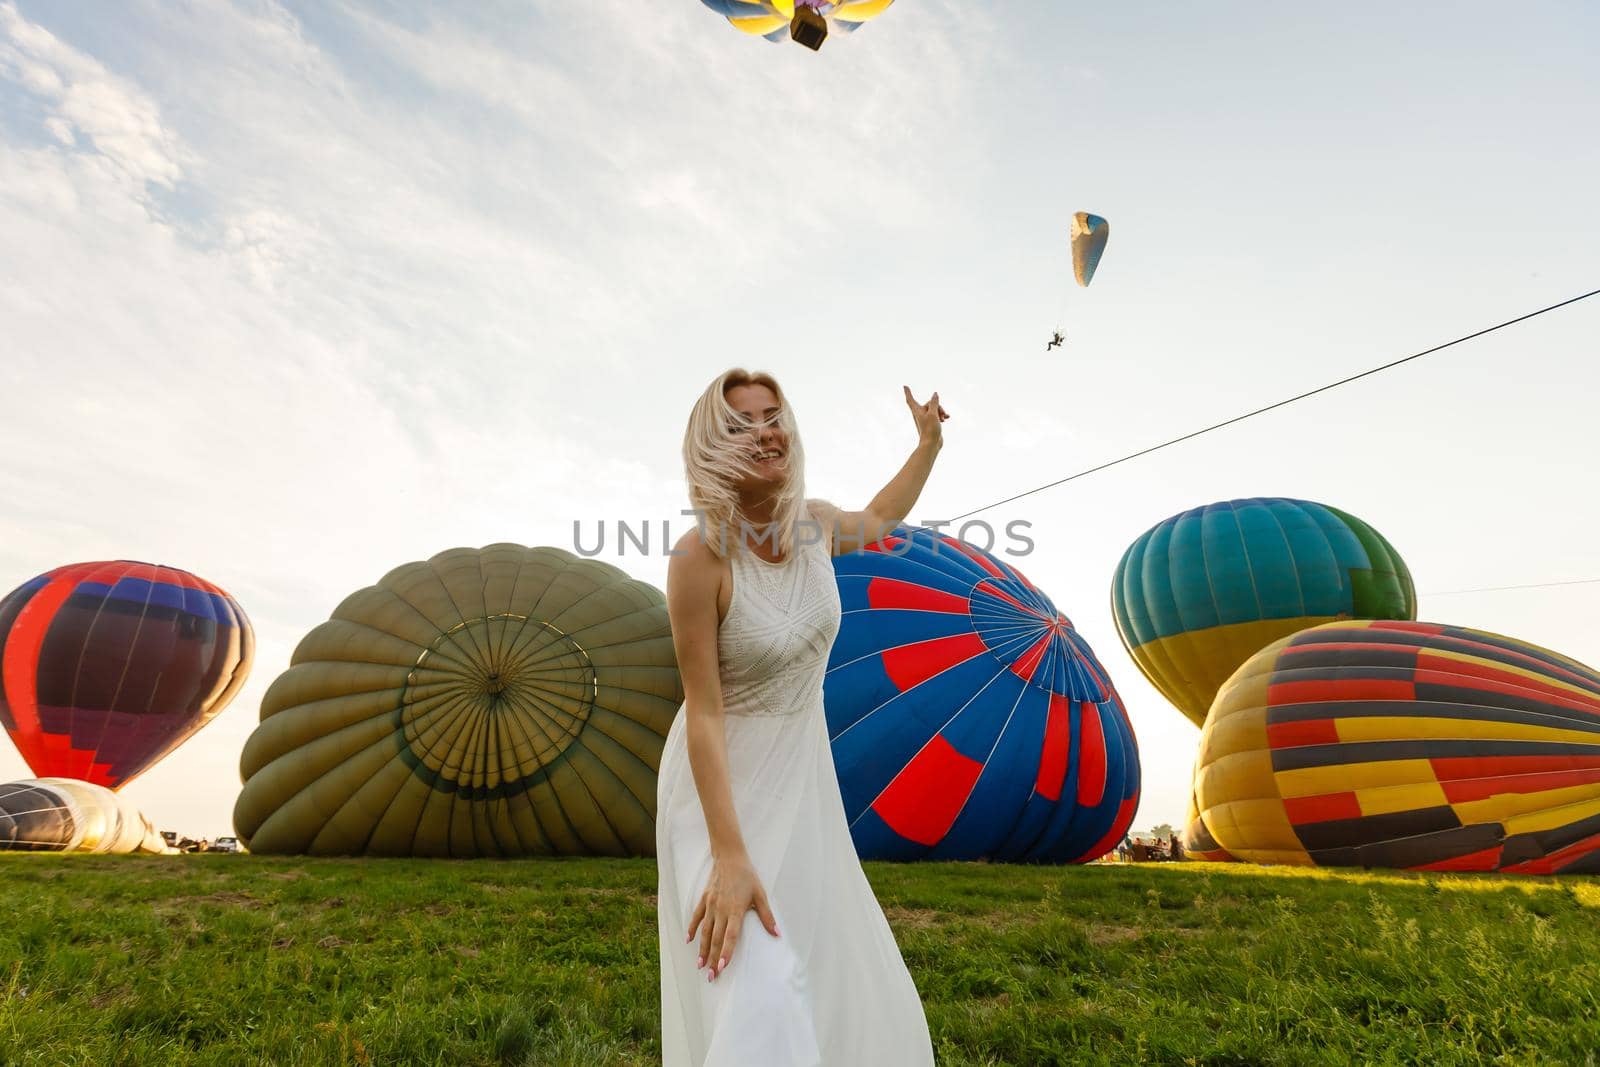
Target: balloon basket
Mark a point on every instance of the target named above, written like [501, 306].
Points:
[808, 28]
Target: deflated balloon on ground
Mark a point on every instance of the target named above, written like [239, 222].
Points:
[501, 701]
[69, 815]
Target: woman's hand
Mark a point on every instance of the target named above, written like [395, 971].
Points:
[733, 889]
[928, 417]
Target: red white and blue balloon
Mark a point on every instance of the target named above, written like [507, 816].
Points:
[106, 667]
[969, 719]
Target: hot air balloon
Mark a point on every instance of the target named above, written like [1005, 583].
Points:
[107, 667]
[968, 717]
[1198, 844]
[1197, 595]
[503, 701]
[68, 815]
[1089, 234]
[1405, 744]
[806, 21]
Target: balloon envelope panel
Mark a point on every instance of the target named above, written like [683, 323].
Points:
[67, 815]
[968, 717]
[500, 701]
[1198, 594]
[107, 667]
[1198, 844]
[1406, 744]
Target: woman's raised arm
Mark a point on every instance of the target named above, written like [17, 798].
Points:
[858, 529]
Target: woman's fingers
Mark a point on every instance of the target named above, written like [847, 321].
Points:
[927, 416]
[730, 937]
[714, 949]
[694, 922]
[707, 937]
[764, 910]
[724, 931]
[929, 408]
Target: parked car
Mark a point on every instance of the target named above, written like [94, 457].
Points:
[226, 844]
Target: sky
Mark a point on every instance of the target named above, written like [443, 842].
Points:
[292, 293]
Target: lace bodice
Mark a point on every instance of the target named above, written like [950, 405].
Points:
[773, 644]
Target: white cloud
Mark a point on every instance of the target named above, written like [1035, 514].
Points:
[123, 123]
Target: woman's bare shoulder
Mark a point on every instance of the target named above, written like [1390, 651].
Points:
[825, 517]
[692, 560]
[823, 510]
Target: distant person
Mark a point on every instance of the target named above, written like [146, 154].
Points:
[748, 816]
[1176, 848]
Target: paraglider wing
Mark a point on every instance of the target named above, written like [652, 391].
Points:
[1089, 234]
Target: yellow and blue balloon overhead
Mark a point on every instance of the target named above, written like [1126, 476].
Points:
[1201, 592]
[772, 19]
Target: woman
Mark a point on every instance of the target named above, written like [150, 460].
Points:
[774, 952]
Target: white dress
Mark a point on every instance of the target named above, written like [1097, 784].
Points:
[832, 989]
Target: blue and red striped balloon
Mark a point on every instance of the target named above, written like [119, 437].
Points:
[969, 719]
[107, 667]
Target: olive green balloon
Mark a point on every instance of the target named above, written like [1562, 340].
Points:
[503, 701]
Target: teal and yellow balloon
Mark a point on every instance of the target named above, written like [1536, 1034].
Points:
[1198, 594]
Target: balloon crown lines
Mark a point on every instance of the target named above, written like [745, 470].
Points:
[623, 536]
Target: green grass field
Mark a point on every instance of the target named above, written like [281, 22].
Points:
[217, 959]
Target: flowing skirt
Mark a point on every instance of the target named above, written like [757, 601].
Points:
[832, 988]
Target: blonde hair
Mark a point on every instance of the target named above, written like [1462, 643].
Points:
[715, 461]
